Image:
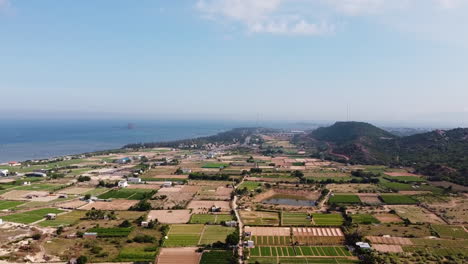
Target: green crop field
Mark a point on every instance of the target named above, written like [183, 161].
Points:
[398, 186]
[130, 194]
[210, 218]
[328, 219]
[405, 179]
[214, 165]
[366, 219]
[250, 185]
[112, 231]
[9, 204]
[216, 257]
[264, 218]
[450, 232]
[344, 199]
[215, 233]
[300, 260]
[272, 240]
[397, 199]
[295, 219]
[30, 216]
[64, 219]
[137, 254]
[40, 187]
[183, 235]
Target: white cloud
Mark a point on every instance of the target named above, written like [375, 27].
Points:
[262, 16]
[434, 18]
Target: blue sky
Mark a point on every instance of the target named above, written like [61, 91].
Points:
[389, 60]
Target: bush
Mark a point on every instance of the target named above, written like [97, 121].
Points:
[143, 239]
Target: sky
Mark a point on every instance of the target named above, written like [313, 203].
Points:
[367, 60]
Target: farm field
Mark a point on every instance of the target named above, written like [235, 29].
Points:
[250, 185]
[4, 205]
[331, 251]
[450, 232]
[416, 214]
[215, 233]
[260, 218]
[170, 216]
[64, 219]
[111, 231]
[300, 260]
[396, 230]
[295, 219]
[184, 235]
[366, 219]
[137, 253]
[30, 216]
[129, 194]
[327, 219]
[210, 218]
[214, 165]
[216, 257]
[272, 240]
[397, 199]
[178, 255]
[344, 199]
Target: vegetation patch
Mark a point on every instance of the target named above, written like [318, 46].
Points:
[31, 216]
[327, 219]
[296, 219]
[6, 205]
[450, 231]
[365, 219]
[397, 199]
[111, 231]
[217, 256]
[129, 194]
[210, 218]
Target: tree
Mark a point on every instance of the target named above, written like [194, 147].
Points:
[59, 230]
[87, 196]
[233, 239]
[82, 260]
[125, 223]
[84, 178]
[142, 205]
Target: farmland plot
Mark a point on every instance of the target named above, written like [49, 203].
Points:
[30, 216]
[296, 219]
[183, 235]
[260, 218]
[327, 219]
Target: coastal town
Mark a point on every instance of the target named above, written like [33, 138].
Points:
[259, 199]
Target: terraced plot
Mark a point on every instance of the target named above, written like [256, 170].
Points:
[272, 240]
[450, 232]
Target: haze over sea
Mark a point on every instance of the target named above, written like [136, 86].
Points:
[27, 139]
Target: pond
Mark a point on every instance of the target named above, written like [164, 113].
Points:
[289, 200]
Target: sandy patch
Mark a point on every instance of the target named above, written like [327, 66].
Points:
[75, 190]
[21, 195]
[119, 204]
[178, 256]
[170, 216]
[396, 174]
[388, 248]
[205, 206]
[388, 218]
[72, 204]
[268, 231]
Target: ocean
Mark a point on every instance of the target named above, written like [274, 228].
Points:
[38, 139]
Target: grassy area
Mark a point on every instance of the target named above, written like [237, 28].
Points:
[210, 218]
[398, 186]
[397, 199]
[217, 257]
[130, 194]
[40, 187]
[215, 233]
[295, 219]
[450, 231]
[260, 218]
[9, 204]
[30, 216]
[137, 253]
[183, 235]
[328, 219]
[365, 219]
[344, 199]
[64, 219]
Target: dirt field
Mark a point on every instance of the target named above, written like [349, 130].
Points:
[369, 198]
[72, 204]
[352, 188]
[149, 186]
[455, 187]
[170, 176]
[75, 190]
[388, 248]
[204, 206]
[20, 195]
[114, 205]
[268, 231]
[178, 195]
[178, 256]
[416, 214]
[455, 211]
[170, 216]
[311, 195]
[388, 218]
[390, 240]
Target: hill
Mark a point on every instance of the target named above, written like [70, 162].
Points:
[441, 154]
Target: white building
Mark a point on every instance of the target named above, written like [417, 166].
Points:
[3, 173]
[122, 184]
[134, 180]
[167, 184]
[36, 174]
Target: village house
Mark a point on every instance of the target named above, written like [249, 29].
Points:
[134, 180]
[3, 173]
[122, 184]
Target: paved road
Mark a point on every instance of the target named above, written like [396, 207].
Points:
[240, 249]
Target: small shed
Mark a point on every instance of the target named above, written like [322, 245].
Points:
[90, 235]
[51, 216]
